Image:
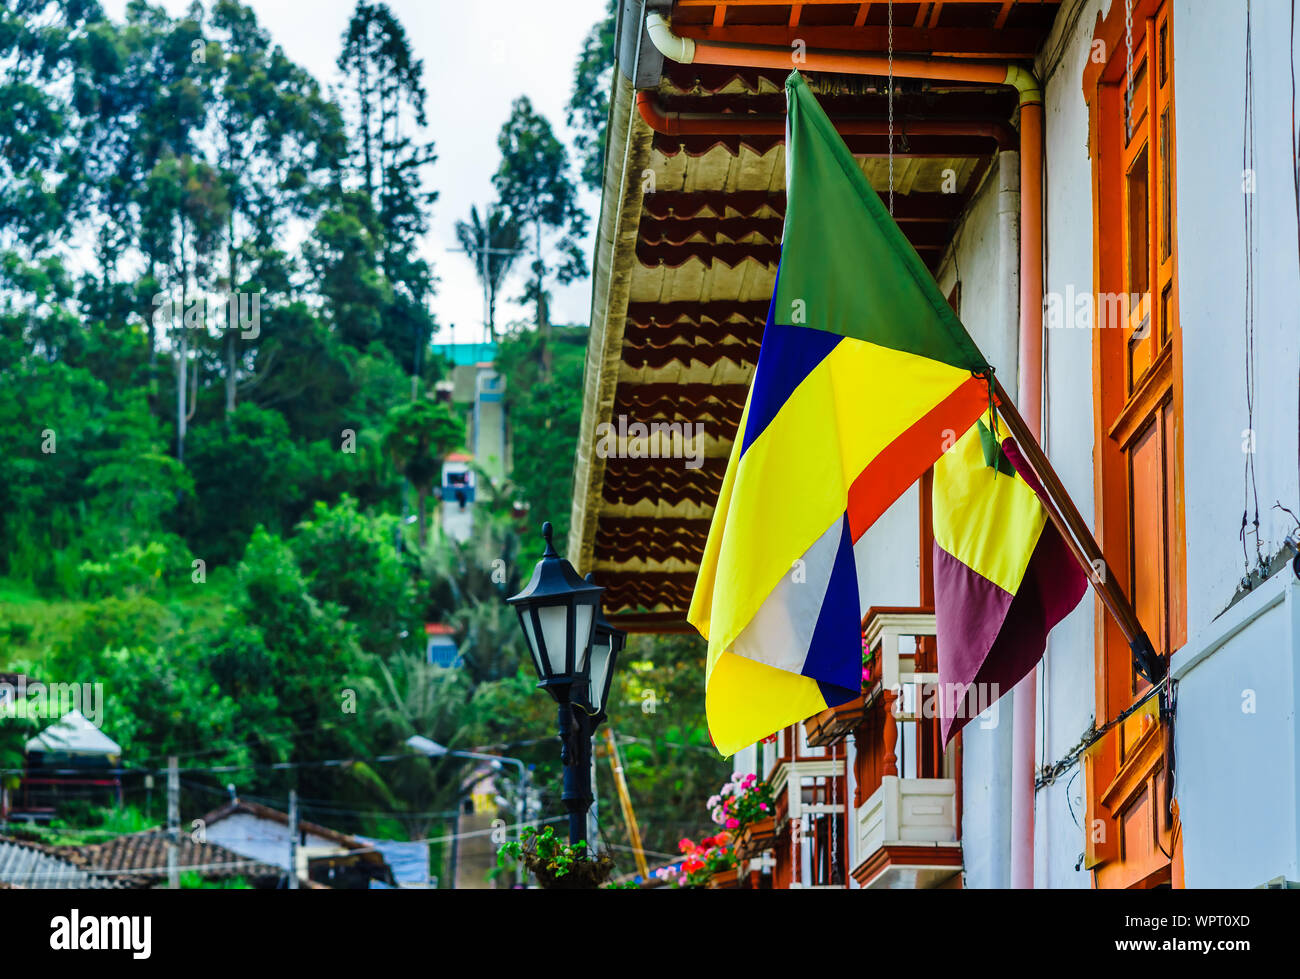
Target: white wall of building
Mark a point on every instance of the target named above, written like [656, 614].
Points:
[1235, 734]
[1235, 742]
[1209, 43]
[260, 839]
[989, 308]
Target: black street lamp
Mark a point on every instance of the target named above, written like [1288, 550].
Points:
[574, 650]
[607, 643]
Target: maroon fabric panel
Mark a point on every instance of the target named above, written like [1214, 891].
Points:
[968, 606]
[969, 611]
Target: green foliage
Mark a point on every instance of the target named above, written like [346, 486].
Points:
[493, 244]
[555, 862]
[349, 561]
[419, 436]
[671, 766]
[192, 880]
[174, 176]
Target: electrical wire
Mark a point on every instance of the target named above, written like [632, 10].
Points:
[1250, 488]
[1048, 774]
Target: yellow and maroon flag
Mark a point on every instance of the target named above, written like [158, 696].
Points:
[1003, 575]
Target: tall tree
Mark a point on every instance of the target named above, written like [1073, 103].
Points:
[185, 210]
[494, 246]
[534, 184]
[277, 139]
[420, 434]
[385, 96]
[588, 108]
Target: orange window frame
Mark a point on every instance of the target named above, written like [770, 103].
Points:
[1138, 411]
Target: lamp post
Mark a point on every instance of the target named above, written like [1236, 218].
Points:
[574, 650]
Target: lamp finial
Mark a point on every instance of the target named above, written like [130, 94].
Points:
[547, 530]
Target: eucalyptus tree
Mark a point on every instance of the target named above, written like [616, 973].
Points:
[384, 98]
[536, 187]
[277, 141]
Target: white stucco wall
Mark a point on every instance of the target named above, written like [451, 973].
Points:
[1209, 63]
[1235, 742]
[989, 309]
[1235, 733]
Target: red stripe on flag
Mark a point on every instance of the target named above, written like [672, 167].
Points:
[904, 460]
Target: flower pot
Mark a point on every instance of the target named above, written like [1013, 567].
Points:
[725, 880]
[583, 875]
[757, 836]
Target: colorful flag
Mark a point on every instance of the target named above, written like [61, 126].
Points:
[863, 369]
[1003, 574]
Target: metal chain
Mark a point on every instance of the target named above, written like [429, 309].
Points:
[835, 818]
[1128, 75]
[891, 108]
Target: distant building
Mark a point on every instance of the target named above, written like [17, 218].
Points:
[441, 648]
[457, 492]
[72, 759]
[473, 383]
[325, 856]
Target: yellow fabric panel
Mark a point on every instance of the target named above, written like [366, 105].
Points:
[987, 520]
[794, 479]
[746, 701]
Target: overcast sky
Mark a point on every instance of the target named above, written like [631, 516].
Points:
[478, 57]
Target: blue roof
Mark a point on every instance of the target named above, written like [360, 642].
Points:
[409, 861]
[466, 353]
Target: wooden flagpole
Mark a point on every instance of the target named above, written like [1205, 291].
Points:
[1070, 523]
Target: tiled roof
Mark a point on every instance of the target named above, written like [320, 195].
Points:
[145, 854]
[689, 239]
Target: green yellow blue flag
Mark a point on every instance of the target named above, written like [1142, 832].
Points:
[863, 370]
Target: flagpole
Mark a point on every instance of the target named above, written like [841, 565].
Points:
[1067, 519]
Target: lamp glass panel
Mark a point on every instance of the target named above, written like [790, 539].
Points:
[526, 620]
[554, 619]
[582, 636]
[600, 651]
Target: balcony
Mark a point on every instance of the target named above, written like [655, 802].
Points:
[808, 783]
[907, 825]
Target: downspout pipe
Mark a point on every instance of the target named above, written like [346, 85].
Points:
[1030, 347]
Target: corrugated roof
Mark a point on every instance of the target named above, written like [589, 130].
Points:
[75, 734]
[40, 867]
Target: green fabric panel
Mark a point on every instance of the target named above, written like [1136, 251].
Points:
[994, 457]
[846, 268]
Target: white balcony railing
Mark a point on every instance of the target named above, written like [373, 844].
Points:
[814, 797]
[906, 832]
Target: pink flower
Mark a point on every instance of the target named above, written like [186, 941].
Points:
[763, 806]
[733, 823]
